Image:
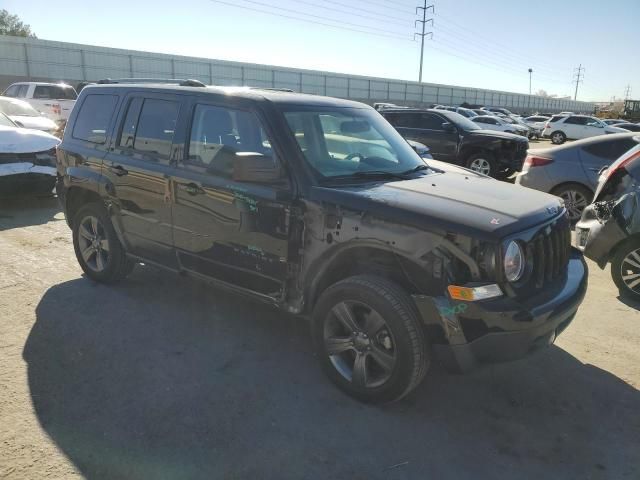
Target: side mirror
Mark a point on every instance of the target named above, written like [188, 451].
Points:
[448, 127]
[255, 167]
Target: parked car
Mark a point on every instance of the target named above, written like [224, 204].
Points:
[631, 127]
[456, 139]
[479, 111]
[466, 112]
[499, 124]
[392, 258]
[24, 115]
[613, 121]
[532, 131]
[27, 160]
[444, 107]
[609, 231]
[502, 111]
[571, 171]
[537, 121]
[55, 100]
[574, 127]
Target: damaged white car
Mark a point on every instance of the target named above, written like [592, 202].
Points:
[27, 160]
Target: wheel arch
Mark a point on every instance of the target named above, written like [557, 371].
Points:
[572, 182]
[76, 197]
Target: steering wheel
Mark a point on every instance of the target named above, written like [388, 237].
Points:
[351, 156]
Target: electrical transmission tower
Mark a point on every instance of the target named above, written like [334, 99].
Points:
[579, 78]
[627, 92]
[424, 33]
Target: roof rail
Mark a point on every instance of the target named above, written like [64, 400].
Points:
[183, 82]
[272, 89]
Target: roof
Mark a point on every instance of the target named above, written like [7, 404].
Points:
[249, 93]
[60, 84]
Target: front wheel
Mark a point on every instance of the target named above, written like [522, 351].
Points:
[576, 198]
[625, 269]
[558, 138]
[369, 339]
[98, 249]
[483, 163]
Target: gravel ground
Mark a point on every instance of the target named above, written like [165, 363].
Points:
[163, 377]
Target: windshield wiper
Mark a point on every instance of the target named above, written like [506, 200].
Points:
[370, 174]
[419, 168]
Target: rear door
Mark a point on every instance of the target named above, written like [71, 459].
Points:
[232, 231]
[574, 127]
[426, 127]
[138, 167]
[601, 154]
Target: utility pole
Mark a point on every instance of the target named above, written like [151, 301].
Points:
[530, 72]
[627, 92]
[424, 33]
[579, 72]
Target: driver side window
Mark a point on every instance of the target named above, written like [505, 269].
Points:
[219, 134]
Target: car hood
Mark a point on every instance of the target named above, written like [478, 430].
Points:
[25, 140]
[496, 133]
[614, 129]
[451, 200]
[37, 123]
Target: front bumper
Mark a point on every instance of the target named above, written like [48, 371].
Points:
[596, 238]
[465, 334]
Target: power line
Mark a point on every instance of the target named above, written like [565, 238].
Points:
[383, 15]
[266, 12]
[579, 72]
[333, 9]
[424, 22]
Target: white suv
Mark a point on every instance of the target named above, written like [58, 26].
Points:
[54, 100]
[561, 128]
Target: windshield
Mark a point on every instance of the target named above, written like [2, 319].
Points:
[460, 120]
[6, 121]
[350, 141]
[17, 107]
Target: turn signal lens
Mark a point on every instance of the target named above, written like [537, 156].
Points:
[473, 294]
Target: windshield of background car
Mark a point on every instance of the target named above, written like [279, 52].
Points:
[6, 121]
[460, 121]
[18, 107]
[346, 141]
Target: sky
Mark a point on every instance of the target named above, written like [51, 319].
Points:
[476, 43]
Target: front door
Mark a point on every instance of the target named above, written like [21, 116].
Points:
[234, 232]
[425, 127]
[138, 167]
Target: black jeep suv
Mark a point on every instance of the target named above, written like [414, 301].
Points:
[318, 206]
[454, 138]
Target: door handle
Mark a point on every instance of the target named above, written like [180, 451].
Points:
[118, 170]
[193, 189]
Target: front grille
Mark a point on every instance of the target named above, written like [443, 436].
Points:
[550, 249]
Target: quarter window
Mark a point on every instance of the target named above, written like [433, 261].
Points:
[12, 91]
[218, 134]
[93, 118]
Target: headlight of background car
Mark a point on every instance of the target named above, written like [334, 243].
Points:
[514, 263]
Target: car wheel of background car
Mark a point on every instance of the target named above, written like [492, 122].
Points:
[625, 268]
[97, 246]
[558, 138]
[369, 339]
[576, 198]
[482, 163]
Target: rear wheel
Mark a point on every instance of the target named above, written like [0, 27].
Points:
[576, 198]
[483, 163]
[625, 268]
[97, 247]
[558, 138]
[369, 339]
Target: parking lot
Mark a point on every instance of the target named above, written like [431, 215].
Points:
[165, 377]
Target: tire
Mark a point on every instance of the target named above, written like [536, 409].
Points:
[482, 163]
[558, 137]
[623, 272]
[380, 352]
[505, 174]
[576, 197]
[97, 247]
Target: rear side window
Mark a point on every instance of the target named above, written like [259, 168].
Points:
[556, 118]
[156, 126]
[611, 149]
[22, 91]
[92, 121]
[54, 92]
[577, 120]
[12, 91]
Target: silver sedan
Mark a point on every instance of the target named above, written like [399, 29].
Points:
[571, 171]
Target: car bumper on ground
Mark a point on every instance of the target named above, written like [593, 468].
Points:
[465, 334]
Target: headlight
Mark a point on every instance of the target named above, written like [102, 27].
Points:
[514, 262]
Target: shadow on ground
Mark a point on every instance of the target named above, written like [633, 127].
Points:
[164, 377]
[16, 212]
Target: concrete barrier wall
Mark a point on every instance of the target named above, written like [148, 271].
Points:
[44, 60]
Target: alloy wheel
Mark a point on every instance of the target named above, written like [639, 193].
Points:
[480, 165]
[630, 271]
[556, 138]
[93, 243]
[575, 202]
[360, 344]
